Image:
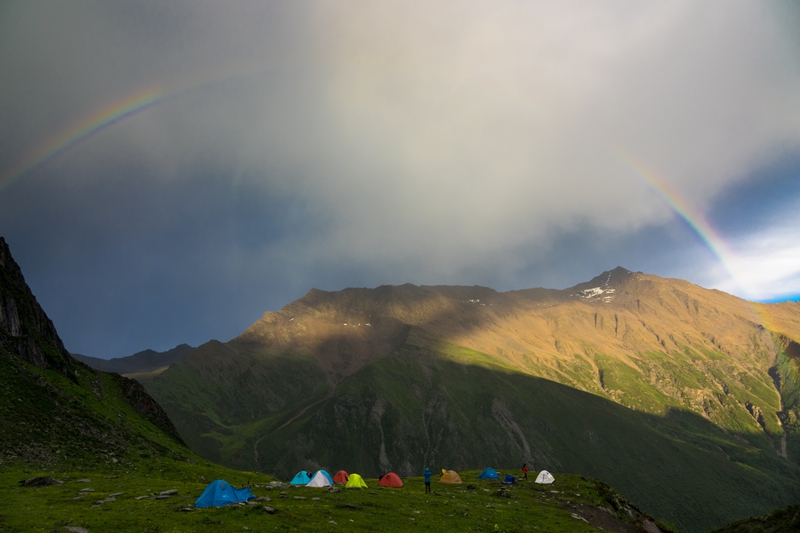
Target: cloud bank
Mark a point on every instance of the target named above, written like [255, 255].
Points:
[432, 142]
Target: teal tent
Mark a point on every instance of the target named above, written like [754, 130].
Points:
[301, 478]
[219, 493]
[489, 473]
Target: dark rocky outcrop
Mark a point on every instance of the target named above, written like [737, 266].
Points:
[57, 409]
[25, 329]
[145, 405]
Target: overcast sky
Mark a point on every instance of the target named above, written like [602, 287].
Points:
[291, 145]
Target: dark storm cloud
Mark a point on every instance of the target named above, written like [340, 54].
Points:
[334, 144]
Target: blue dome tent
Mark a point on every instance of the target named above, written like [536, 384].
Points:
[489, 473]
[301, 478]
[219, 493]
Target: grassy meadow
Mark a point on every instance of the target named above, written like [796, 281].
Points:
[484, 506]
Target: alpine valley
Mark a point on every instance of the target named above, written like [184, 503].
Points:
[685, 399]
[84, 450]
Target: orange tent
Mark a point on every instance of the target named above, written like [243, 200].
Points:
[449, 476]
[340, 477]
[391, 480]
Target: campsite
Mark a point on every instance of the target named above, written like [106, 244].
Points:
[84, 502]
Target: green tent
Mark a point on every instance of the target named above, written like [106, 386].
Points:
[355, 482]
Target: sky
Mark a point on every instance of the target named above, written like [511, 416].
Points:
[171, 171]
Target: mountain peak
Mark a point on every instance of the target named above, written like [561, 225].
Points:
[612, 277]
[604, 284]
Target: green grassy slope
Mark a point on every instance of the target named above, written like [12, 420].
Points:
[49, 419]
[446, 406]
[785, 520]
[571, 505]
[251, 388]
[786, 375]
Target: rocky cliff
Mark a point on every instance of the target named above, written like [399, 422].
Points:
[58, 410]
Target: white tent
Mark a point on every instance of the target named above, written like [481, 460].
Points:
[545, 477]
[319, 480]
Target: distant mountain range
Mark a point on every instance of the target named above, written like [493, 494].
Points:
[144, 364]
[683, 398]
[57, 411]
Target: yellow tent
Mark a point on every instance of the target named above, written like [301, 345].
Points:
[355, 482]
[449, 476]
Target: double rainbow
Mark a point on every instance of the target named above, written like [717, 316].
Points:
[131, 106]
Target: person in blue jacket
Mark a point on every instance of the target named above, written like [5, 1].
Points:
[427, 475]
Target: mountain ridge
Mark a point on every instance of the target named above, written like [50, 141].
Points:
[695, 376]
[145, 361]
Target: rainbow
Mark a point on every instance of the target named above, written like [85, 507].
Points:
[700, 226]
[81, 131]
[112, 115]
[693, 218]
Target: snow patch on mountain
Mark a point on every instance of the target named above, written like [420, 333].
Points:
[597, 291]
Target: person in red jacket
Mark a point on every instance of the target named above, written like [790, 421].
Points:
[525, 471]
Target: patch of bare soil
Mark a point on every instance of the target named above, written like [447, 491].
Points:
[604, 518]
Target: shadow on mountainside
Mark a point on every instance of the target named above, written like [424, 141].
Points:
[409, 411]
[354, 380]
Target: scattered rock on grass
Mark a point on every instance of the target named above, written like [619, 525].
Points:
[263, 499]
[84, 480]
[169, 492]
[76, 529]
[352, 506]
[268, 509]
[41, 481]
